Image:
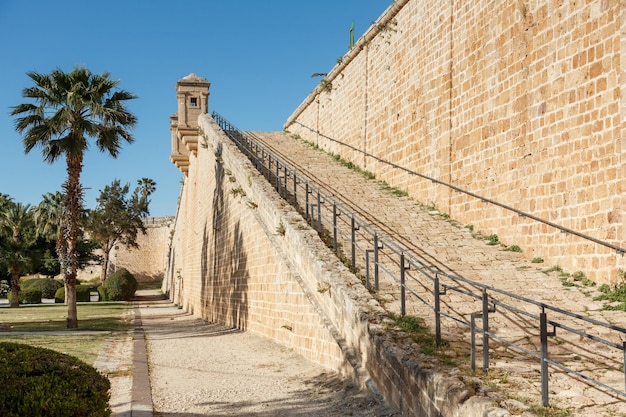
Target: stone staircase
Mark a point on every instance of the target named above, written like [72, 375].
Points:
[456, 250]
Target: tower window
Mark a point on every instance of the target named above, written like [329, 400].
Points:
[193, 102]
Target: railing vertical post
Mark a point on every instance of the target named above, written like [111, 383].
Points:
[334, 226]
[376, 262]
[473, 342]
[543, 336]
[367, 268]
[624, 363]
[319, 213]
[353, 244]
[485, 331]
[306, 200]
[269, 168]
[402, 286]
[295, 189]
[437, 311]
[285, 184]
[277, 177]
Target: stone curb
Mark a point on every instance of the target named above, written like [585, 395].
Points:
[141, 399]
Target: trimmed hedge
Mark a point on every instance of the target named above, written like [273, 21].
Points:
[102, 293]
[120, 286]
[42, 382]
[83, 294]
[59, 296]
[27, 296]
[47, 286]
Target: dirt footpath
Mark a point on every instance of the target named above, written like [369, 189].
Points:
[201, 369]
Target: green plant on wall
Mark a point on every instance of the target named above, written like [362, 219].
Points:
[280, 229]
[238, 191]
[326, 86]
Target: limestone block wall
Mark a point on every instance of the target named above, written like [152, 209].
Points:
[149, 261]
[519, 102]
[146, 263]
[229, 264]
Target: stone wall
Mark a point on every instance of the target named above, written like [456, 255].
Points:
[146, 263]
[517, 101]
[241, 256]
[149, 261]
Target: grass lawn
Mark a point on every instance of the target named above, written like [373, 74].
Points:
[108, 317]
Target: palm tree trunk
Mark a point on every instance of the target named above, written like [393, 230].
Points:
[15, 287]
[73, 204]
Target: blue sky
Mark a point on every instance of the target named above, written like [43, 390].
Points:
[258, 55]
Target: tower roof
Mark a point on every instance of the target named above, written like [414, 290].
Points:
[193, 79]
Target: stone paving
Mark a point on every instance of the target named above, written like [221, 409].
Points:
[449, 247]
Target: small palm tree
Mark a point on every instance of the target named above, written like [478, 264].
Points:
[15, 220]
[49, 217]
[141, 201]
[68, 109]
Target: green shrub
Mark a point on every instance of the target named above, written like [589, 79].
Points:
[83, 294]
[27, 296]
[120, 286]
[102, 293]
[59, 295]
[47, 286]
[42, 382]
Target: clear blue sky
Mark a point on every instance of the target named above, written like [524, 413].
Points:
[258, 55]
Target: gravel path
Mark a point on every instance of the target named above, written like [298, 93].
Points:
[200, 369]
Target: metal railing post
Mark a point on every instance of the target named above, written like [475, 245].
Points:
[285, 183]
[376, 263]
[319, 213]
[334, 226]
[306, 200]
[624, 363]
[353, 243]
[543, 336]
[485, 331]
[473, 342]
[402, 286]
[295, 189]
[437, 311]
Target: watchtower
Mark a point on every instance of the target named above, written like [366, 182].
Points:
[192, 93]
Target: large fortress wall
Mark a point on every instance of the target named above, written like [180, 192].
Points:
[242, 257]
[516, 101]
[147, 262]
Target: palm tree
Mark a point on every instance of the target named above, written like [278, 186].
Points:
[15, 219]
[145, 187]
[49, 217]
[68, 109]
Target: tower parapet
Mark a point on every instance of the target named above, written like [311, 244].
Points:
[192, 93]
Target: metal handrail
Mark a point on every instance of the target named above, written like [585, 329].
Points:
[278, 173]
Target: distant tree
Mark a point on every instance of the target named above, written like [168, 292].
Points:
[15, 222]
[68, 109]
[140, 199]
[49, 218]
[117, 219]
[5, 199]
